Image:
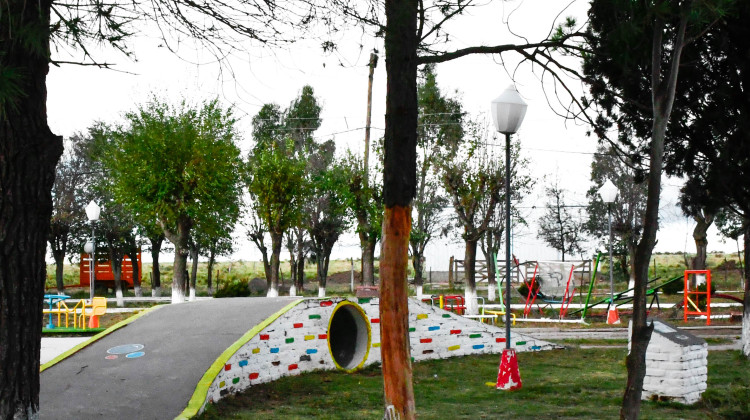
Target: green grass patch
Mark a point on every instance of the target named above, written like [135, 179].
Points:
[571, 383]
[71, 332]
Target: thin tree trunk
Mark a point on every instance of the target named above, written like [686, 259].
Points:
[28, 152]
[324, 257]
[194, 252]
[368, 263]
[209, 275]
[155, 271]
[700, 236]
[746, 299]
[662, 91]
[59, 256]
[115, 258]
[470, 285]
[300, 268]
[273, 280]
[418, 264]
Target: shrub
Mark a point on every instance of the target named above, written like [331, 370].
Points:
[233, 289]
[673, 288]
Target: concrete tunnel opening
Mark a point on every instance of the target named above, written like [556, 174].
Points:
[349, 336]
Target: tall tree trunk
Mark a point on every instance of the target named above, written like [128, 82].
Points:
[115, 259]
[470, 285]
[300, 268]
[181, 250]
[272, 281]
[155, 271]
[662, 95]
[700, 235]
[209, 275]
[417, 261]
[368, 262]
[133, 253]
[399, 187]
[290, 246]
[394, 313]
[28, 155]
[194, 252]
[324, 256]
[59, 256]
[746, 299]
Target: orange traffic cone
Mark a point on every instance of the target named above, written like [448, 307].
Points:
[612, 316]
[508, 375]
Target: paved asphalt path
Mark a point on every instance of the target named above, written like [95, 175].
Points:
[180, 342]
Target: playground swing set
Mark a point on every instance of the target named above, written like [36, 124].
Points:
[550, 283]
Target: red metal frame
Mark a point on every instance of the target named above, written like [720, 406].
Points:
[458, 306]
[688, 293]
[103, 271]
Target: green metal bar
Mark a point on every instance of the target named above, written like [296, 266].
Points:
[591, 286]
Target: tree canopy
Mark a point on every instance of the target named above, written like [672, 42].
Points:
[180, 166]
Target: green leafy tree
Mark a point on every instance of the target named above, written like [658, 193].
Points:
[440, 129]
[494, 236]
[327, 212]
[178, 165]
[367, 206]
[276, 181]
[67, 210]
[476, 186]
[634, 58]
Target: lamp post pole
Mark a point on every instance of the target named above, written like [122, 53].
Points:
[611, 264]
[507, 240]
[608, 193]
[508, 111]
[92, 263]
[92, 213]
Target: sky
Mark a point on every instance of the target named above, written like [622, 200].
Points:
[78, 96]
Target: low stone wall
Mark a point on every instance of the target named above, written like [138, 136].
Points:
[301, 339]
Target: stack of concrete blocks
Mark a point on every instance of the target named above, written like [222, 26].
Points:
[297, 341]
[676, 365]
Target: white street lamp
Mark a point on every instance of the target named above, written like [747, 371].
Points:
[92, 213]
[508, 111]
[608, 193]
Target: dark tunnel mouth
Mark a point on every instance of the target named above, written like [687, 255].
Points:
[349, 336]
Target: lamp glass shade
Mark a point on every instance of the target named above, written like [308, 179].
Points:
[88, 247]
[508, 111]
[92, 211]
[608, 192]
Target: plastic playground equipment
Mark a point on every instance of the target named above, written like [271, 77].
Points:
[79, 312]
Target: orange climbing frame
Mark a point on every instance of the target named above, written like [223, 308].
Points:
[690, 297]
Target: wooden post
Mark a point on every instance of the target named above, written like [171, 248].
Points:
[373, 63]
[450, 273]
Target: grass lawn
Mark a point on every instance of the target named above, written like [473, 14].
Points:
[571, 383]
